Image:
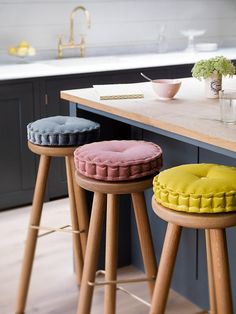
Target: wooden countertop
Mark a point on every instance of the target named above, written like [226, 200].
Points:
[190, 114]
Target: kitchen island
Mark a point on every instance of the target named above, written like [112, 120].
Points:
[30, 90]
[189, 130]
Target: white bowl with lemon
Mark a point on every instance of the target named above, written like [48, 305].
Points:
[23, 49]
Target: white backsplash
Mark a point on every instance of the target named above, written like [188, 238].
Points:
[118, 26]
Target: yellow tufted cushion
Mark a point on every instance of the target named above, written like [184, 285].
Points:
[197, 188]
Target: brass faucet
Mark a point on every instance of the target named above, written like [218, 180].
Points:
[72, 43]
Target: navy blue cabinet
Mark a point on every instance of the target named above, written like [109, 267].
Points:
[17, 166]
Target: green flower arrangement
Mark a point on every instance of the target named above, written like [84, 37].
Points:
[218, 66]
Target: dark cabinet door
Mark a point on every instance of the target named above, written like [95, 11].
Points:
[134, 76]
[17, 166]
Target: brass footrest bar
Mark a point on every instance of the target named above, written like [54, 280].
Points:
[125, 281]
[134, 296]
[114, 282]
[52, 230]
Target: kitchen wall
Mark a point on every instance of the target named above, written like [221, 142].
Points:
[118, 26]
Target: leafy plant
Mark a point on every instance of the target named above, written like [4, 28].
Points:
[219, 66]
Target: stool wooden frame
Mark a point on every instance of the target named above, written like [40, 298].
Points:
[110, 191]
[217, 256]
[77, 210]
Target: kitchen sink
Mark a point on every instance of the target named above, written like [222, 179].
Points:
[75, 62]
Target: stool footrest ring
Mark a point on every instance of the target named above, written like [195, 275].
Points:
[134, 296]
[125, 281]
[114, 282]
[52, 230]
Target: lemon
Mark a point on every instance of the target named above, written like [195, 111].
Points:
[23, 44]
[12, 50]
[22, 51]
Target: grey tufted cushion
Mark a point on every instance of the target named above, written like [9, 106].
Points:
[62, 131]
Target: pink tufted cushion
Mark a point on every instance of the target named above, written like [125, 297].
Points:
[118, 160]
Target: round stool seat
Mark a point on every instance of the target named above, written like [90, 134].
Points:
[118, 160]
[197, 188]
[114, 187]
[62, 131]
[194, 220]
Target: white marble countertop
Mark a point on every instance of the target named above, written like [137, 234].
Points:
[105, 63]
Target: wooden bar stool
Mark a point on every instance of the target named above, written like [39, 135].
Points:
[56, 137]
[201, 196]
[109, 169]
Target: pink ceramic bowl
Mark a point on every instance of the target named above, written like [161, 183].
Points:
[166, 89]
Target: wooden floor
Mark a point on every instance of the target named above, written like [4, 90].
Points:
[53, 289]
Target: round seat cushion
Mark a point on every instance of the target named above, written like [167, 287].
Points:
[197, 188]
[118, 160]
[62, 131]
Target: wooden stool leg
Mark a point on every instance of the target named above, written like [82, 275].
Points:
[165, 270]
[91, 255]
[221, 271]
[82, 211]
[74, 222]
[211, 284]
[111, 253]
[31, 241]
[145, 237]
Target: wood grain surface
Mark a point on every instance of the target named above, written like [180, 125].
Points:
[53, 288]
[189, 114]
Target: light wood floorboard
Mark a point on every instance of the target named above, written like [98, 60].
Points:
[53, 289]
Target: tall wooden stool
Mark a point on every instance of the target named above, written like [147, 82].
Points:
[56, 137]
[201, 196]
[109, 169]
